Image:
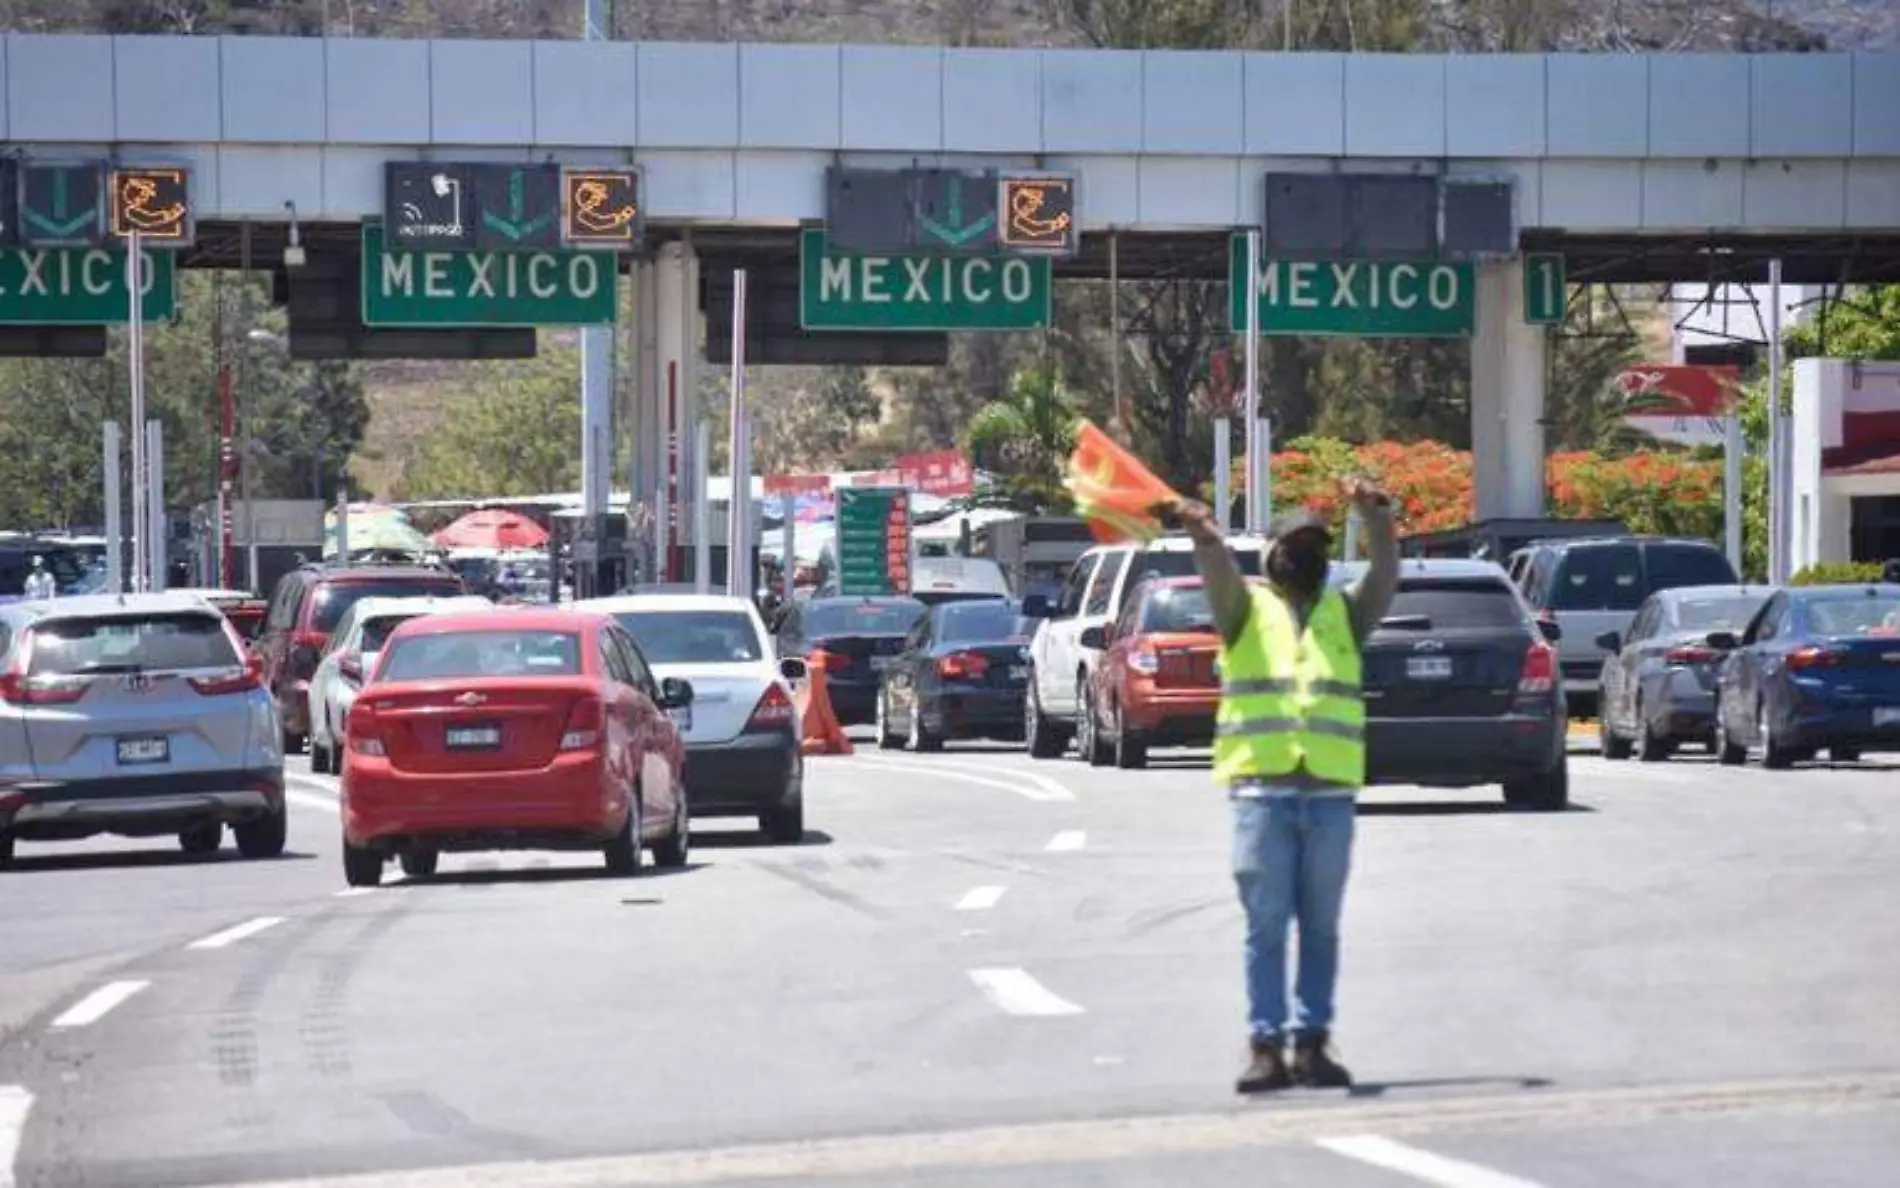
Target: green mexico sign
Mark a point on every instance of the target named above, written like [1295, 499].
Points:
[873, 541]
[407, 287]
[82, 287]
[1359, 298]
[856, 291]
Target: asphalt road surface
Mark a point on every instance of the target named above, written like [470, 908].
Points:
[981, 970]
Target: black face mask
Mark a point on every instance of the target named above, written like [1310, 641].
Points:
[1299, 566]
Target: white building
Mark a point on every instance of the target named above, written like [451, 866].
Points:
[1846, 461]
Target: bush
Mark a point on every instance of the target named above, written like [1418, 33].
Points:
[1835, 573]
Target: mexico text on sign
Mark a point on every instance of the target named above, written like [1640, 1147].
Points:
[856, 291]
[422, 288]
[1356, 297]
[81, 286]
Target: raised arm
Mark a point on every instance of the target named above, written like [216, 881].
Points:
[1226, 586]
[1371, 595]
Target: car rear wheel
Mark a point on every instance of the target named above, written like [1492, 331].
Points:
[921, 737]
[1548, 791]
[1844, 754]
[1044, 739]
[623, 851]
[887, 740]
[293, 742]
[1088, 737]
[6, 849]
[1130, 750]
[675, 848]
[1655, 748]
[362, 866]
[264, 837]
[202, 839]
[1615, 746]
[1728, 752]
[784, 824]
[420, 864]
[1773, 754]
[322, 758]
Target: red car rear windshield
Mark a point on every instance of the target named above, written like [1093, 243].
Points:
[333, 600]
[451, 654]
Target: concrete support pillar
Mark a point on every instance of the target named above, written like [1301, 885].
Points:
[1508, 373]
[676, 284]
[646, 460]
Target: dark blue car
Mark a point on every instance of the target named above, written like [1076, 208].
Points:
[1817, 668]
[962, 673]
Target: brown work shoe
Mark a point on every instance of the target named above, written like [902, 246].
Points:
[1314, 1065]
[1266, 1068]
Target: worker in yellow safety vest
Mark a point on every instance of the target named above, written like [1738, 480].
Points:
[1290, 748]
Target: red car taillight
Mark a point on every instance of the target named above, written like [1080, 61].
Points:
[773, 712]
[1539, 676]
[365, 732]
[963, 666]
[248, 676]
[583, 725]
[1689, 655]
[1812, 657]
[17, 689]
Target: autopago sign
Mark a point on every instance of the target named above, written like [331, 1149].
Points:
[1368, 298]
[404, 287]
[82, 287]
[862, 291]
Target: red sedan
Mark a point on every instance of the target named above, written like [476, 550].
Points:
[515, 729]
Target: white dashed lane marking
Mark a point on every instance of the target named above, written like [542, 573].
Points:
[231, 936]
[980, 899]
[1418, 1164]
[95, 1006]
[1015, 992]
[15, 1103]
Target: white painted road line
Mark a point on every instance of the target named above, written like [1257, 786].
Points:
[1067, 841]
[233, 935]
[1418, 1164]
[1016, 993]
[15, 1102]
[1026, 784]
[94, 1007]
[980, 899]
[311, 800]
[350, 892]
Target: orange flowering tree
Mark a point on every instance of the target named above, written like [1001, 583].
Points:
[1661, 491]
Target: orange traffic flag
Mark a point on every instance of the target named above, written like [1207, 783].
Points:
[1112, 490]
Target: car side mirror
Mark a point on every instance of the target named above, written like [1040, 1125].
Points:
[793, 669]
[1036, 606]
[675, 693]
[1550, 629]
[1610, 641]
[1094, 637]
[1723, 641]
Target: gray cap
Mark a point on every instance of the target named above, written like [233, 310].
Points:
[1298, 520]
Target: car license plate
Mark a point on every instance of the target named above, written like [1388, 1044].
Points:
[682, 718]
[1887, 715]
[155, 749]
[465, 738]
[1428, 668]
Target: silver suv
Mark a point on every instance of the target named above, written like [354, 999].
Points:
[139, 715]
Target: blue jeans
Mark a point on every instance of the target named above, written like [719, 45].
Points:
[1291, 854]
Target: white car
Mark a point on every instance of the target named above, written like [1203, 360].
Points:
[743, 753]
[350, 659]
[1093, 596]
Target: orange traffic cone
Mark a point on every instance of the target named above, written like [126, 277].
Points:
[820, 732]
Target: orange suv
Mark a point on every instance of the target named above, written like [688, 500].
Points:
[1157, 682]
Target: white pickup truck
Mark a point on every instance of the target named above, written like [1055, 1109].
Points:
[1092, 597]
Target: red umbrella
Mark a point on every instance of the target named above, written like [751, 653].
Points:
[492, 528]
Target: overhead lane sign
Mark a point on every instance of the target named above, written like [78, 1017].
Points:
[81, 286]
[1038, 214]
[151, 202]
[405, 287]
[916, 291]
[601, 208]
[1358, 298]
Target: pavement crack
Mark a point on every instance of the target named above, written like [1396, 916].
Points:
[820, 887]
[1152, 921]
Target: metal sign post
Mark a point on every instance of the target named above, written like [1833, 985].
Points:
[1223, 473]
[135, 367]
[1780, 473]
[155, 534]
[1251, 415]
[702, 508]
[115, 534]
[739, 454]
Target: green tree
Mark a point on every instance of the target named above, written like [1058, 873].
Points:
[1866, 325]
[1026, 438]
[515, 430]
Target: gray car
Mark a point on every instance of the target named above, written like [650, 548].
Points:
[1659, 680]
[140, 715]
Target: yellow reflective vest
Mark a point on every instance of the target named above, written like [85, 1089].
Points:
[1291, 699]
